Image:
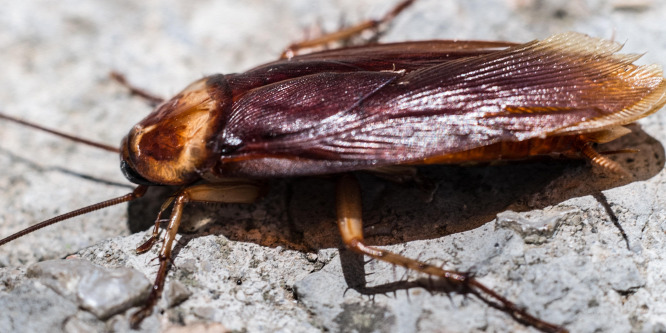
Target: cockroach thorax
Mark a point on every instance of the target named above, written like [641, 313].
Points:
[168, 147]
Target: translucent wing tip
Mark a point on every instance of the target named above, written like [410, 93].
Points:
[644, 86]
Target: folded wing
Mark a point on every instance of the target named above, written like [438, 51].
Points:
[567, 84]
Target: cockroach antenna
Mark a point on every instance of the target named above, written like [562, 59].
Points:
[60, 134]
[138, 192]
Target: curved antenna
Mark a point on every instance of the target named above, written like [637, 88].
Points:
[138, 192]
[60, 134]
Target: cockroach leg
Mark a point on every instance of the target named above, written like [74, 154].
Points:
[620, 151]
[148, 244]
[603, 162]
[346, 33]
[152, 99]
[351, 229]
[230, 192]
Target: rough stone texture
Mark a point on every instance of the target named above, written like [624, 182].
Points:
[536, 232]
[103, 292]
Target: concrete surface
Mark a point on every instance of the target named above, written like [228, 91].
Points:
[536, 232]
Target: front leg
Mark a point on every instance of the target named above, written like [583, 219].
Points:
[237, 191]
[350, 225]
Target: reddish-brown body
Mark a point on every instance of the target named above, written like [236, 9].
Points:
[379, 106]
[554, 146]
[373, 107]
[405, 103]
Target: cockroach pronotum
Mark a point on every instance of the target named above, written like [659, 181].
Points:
[379, 108]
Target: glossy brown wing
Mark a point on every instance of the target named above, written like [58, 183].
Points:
[330, 122]
[407, 56]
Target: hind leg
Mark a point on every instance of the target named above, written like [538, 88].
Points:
[351, 229]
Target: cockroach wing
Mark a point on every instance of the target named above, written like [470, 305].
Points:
[406, 56]
[313, 106]
[409, 53]
[567, 84]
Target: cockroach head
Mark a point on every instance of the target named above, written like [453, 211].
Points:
[169, 146]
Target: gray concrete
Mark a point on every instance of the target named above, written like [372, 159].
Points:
[535, 232]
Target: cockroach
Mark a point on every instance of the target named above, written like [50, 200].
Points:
[373, 108]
